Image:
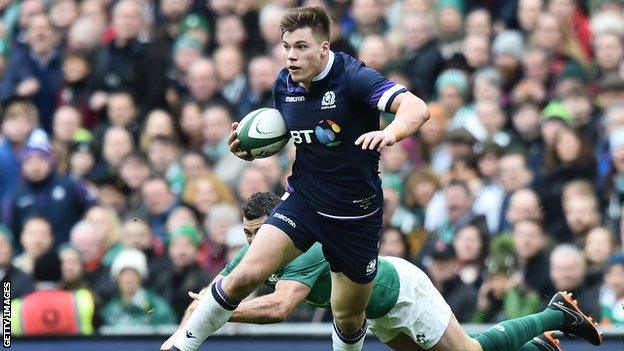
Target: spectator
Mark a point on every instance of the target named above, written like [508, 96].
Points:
[507, 50]
[582, 214]
[158, 200]
[73, 311]
[121, 111]
[134, 170]
[272, 170]
[74, 91]
[501, 296]
[59, 199]
[128, 63]
[36, 239]
[514, 174]
[21, 282]
[72, 269]
[459, 203]
[206, 191]
[216, 128]
[392, 242]
[116, 144]
[157, 123]
[420, 188]
[530, 243]
[203, 84]
[252, 180]
[450, 25]
[450, 89]
[66, 123]
[86, 32]
[213, 251]
[479, 21]
[460, 296]
[568, 273]
[609, 51]
[138, 235]
[194, 164]
[523, 204]
[366, 18]
[230, 65]
[163, 153]
[374, 52]
[90, 241]
[63, 13]
[20, 118]
[528, 14]
[599, 246]
[191, 125]
[422, 55]
[471, 245]
[184, 274]
[108, 222]
[133, 305]
[614, 279]
[35, 72]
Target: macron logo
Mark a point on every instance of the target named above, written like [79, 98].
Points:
[294, 99]
[285, 219]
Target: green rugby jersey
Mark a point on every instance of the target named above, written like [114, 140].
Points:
[312, 269]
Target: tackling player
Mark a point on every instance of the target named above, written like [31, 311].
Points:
[405, 310]
[331, 104]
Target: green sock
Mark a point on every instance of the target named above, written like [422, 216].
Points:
[528, 346]
[514, 333]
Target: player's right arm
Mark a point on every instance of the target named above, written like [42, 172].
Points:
[272, 308]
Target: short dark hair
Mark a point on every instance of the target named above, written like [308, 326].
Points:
[260, 204]
[316, 18]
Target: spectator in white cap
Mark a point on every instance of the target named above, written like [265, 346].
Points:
[133, 305]
[507, 50]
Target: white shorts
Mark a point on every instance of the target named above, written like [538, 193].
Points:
[420, 311]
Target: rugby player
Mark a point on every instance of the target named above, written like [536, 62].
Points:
[405, 311]
[331, 104]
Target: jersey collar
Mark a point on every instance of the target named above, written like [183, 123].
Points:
[327, 68]
[293, 87]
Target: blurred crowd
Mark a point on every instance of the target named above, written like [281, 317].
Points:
[119, 194]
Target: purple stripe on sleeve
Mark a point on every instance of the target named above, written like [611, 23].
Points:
[374, 98]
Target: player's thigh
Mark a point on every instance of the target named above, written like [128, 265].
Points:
[453, 339]
[348, 298]
[351, 247]
[403, 342]
[270, 249]
[456, 339]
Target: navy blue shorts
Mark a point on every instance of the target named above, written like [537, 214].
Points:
[350, 246]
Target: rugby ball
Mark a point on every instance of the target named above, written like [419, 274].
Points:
[262, 132]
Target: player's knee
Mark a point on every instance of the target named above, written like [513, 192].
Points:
[348, 323]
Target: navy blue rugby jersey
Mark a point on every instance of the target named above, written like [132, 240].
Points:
[335, 176]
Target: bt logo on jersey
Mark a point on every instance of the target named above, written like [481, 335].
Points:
[327, 132]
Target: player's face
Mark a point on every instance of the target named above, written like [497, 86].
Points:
[304, 54]
[251, 227]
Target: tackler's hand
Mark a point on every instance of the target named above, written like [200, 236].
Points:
[168, 344]
[233, 143]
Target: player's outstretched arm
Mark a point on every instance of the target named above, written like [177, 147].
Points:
[233, 143]
[410, 114]
[271, 308]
